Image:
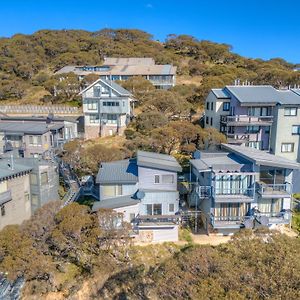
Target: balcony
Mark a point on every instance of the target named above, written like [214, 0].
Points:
[203, 192]
[156, 220]
[274, 190]
[237, 138]
[5, 197]
[283, 217]
[243, 120]
[227, 222]
[244, 195]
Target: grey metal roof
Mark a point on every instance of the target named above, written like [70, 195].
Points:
[262, 158]
[39, 118]
[221, 93]
[263, 94]
[116, 202]
[24, 127]
[121, 171]
[296, 91]
[124, 61]
[111, 84]
[6, 171]
[157, 161]
[220, 163]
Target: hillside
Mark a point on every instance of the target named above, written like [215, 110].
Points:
[28, 62]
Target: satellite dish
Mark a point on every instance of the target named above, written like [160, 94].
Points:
[140, 195]
[248, 223]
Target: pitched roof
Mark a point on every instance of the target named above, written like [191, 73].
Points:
[111, 84]
[115, 202]
[221, 93]
[121, 171]
[24, 127]
[264, 94]
[6, 171]
[123, 61]
[157, 161]
[261, 157]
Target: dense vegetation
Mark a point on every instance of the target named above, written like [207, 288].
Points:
[28, 62]
[65, 251]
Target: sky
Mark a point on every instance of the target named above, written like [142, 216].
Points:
[258, 29]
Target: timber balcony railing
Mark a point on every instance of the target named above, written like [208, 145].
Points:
[274, 190]
[244, 120]
[5, 197]
[233, 193]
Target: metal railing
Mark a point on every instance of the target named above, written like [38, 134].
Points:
[203, 191]
[247, 119]
[271, 189]
[231, 191]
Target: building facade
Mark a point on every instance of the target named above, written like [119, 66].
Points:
[107, 109]
[144, 189]
[260, 117]
[161, 76]
[241, 187]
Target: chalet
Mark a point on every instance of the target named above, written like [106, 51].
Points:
[107, 108]
[144, 189]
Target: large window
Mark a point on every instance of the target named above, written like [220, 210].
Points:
[253, 129]
[226, 106]
[112, 118]
[112, 190]
[35, 140]
[33, 178]
[232, 184]
[154, 209]
[149, 209]
[290, 111]
[259, 111]
[270, 206]
[296, 129]
[111, 103]
[230, 211]
[287, 147]
[92, 105]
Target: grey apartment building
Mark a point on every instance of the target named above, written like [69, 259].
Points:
[260, 117]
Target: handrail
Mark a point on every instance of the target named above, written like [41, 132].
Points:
[269, 188]
[247, 119]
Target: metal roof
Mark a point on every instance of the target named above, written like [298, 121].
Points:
[262, 158]
[262, 94]
[296, 91]
[221, 93]
[121, 171]
[34, 118]
[111, 84]
[129, 70]
[24, 127]
[115, 202]
[124, 61]
[6, 170]
[157, 161]
[221, 162]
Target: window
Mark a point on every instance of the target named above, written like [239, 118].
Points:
[44, 178]
[290, 111]
[35, 140]
[112, 190]
[94, 119]
[287, 147]
[30, 140]
[112, 118]
[295, 129]
[39, 140]
[149, 209]
[207, 120]
[222, 128]
[253, 129]
[97, 91]
[33, 179]
[226, 106]
[259, 111]
[35, 200]
[157, 209]
[212, 106]
[207, 105]
[167, 178]
[111, 103]
[2, 210]
[92, 105]
[131, 217]
[171, 207]
[156, 178]
[211, 121]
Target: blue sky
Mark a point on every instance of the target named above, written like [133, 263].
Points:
[263, 29]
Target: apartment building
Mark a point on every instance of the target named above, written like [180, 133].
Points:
[161, 76]
[107, 109]
[241, 187]
[144, 189]
[34, 137]
[257, 116]
[26, 184]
